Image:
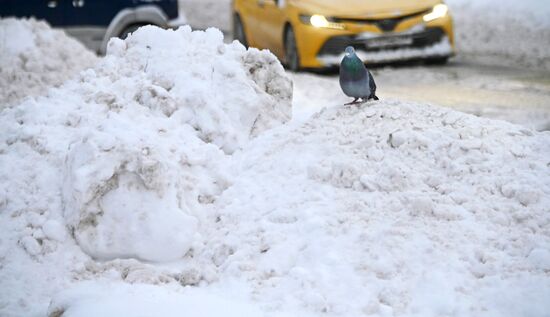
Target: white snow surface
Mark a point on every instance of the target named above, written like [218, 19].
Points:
[509, 32]
[393, 209]
[35, 57]
[114, 299]
[164, 176]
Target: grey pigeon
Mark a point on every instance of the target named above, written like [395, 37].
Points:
[355, 79]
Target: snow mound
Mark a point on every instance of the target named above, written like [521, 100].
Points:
[34, 57]
[132, 148]
[229, 93]
[423, 211]
[504, 31]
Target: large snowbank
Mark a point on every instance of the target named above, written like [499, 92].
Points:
[392, 209]
[123, 157]
[504, 31]
[132, 134]
[34, 57]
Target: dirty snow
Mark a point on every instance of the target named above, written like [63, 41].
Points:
[34, 58]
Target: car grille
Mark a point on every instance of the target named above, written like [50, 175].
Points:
[386, 25]
[336, 45]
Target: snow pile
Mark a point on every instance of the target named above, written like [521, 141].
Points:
[33, 58]
[124, 157]
[221, 94]
[391, 209]
[387, 209]
[140, 137]
[509, 31]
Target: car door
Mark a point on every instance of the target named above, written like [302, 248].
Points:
[273, 19]
[91, 12]
[261, 14]
[248, 11]
[49, 10]
[88, 20]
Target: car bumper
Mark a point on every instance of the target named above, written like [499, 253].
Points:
[427, 43]
[412, 39]
[177, 22]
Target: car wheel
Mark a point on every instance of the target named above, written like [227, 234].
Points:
[292, 59]
[238, 30]
[128, 30]
[437, 60]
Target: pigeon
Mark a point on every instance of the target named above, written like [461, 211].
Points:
[355, 79]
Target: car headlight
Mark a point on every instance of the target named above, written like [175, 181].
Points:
[320, 21]
[438, 11]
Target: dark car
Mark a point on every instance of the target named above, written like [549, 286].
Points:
[94, 22]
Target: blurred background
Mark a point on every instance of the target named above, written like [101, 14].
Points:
[490, 58]
[501, 66]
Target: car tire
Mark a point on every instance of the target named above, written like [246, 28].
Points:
[292, 58]
[437, 60]
[238, 30]
[129, 29]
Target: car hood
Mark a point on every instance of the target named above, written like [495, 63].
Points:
[363, 8]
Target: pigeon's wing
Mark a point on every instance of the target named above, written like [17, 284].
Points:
[372, 84]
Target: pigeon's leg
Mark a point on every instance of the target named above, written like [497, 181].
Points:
[352, 103]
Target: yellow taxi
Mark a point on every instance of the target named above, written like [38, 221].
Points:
[315, 33]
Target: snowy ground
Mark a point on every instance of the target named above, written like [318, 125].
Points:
[406, 205]
[168, 180]
[137, 189]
